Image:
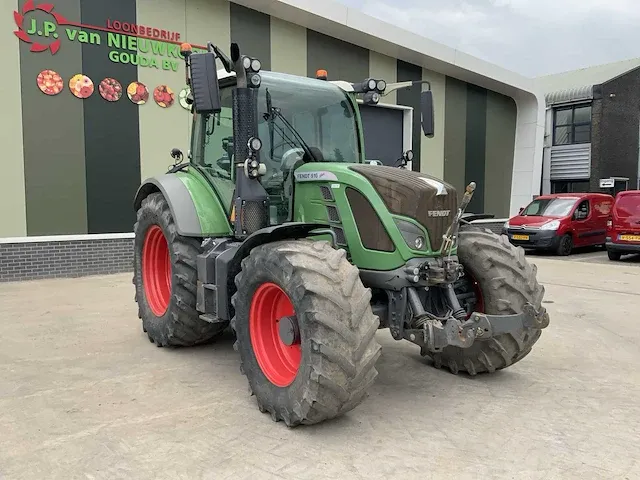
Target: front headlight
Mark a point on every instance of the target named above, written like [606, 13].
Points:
[506, 225]
[552, 225]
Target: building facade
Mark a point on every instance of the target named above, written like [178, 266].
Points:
[97, 106]
[593, 131]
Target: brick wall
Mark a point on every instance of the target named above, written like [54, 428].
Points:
[615, 128]
[68, 258]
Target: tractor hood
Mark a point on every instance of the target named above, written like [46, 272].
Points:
[428, 200]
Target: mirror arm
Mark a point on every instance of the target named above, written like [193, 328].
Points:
[392, 87]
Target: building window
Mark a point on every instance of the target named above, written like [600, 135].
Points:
[570, 186]
[572, 125]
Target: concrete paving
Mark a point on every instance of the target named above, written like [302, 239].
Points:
[83, 394]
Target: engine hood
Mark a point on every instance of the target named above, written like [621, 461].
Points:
[530, 221]
[428, 200]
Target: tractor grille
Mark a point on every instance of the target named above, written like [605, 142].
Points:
[372, 233]
[340, 238]
[253, 215]
[431, 202]
[326, 193]
[332, 213]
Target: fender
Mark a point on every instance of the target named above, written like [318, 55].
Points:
[472, 217]
[186, 194]
[217, 267]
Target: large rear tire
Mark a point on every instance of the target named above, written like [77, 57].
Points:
[165, 278]
[504, 281]
[327, 371]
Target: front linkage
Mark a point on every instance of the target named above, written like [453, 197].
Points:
[458, 327]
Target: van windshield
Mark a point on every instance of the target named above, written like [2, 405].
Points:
[549, 207]
[628, 206]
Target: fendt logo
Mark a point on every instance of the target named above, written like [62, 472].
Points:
[41, 37]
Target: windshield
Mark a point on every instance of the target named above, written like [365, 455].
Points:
[550, 207]
[309, 114]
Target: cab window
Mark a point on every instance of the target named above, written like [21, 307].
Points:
[582, 211]
[213, 148]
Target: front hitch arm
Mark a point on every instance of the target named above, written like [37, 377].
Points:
[436, 335]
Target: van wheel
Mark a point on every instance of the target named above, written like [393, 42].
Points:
[565, 246]
[615, 256]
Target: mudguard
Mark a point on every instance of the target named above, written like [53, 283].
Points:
[186, 195]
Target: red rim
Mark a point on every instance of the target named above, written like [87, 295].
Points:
[279, 362]
[156, 270]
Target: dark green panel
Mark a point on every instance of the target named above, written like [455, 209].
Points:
[53, 134]
[455, 132]
[475, 144]
[501, 136]
[111, 130]
[251, 30]
[342, 60]
[411, 98]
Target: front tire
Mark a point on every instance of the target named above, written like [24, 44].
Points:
[165, 279]
[506, 281]
[565, 245]
[327, 371]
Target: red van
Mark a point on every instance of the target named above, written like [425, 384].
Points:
[561, 221]
[623, 228]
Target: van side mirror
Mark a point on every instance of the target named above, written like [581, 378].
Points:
[204, 83]
[426, 112]
[520, 210]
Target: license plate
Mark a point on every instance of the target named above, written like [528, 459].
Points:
[520, 237]
[630, 238]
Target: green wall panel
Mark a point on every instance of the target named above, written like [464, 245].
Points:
[411, 98]
[53, 136]
[475, 142]
[455, 132]
[500, 143]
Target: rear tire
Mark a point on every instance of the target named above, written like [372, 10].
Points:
[165, 279]
[506, 281]
[334, 364]
[613, 256]
[565, 246]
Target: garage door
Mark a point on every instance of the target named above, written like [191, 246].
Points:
[382, 133]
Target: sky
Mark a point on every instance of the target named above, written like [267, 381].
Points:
[531, 37]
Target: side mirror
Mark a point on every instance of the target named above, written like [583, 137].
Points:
[520, 210]
[204, 83]
[580, 215]
[426, 111]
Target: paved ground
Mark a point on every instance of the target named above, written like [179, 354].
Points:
[83, 394]
[589, 255]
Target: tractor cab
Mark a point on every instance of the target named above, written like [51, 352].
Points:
[298, 120]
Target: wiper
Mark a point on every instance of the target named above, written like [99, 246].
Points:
[275, 112]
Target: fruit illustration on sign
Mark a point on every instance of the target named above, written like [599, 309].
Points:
[81, 86]
[110, 89]
[138, 93]
[163, 96]
[50, 82]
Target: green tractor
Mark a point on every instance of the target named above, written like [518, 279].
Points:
[276, 226]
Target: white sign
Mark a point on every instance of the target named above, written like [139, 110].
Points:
[607, 183]
[315, 176]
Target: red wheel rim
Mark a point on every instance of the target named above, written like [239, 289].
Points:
[156, 270]
[279, 362]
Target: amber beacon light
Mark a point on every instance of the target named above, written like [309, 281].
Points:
[321, 74]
